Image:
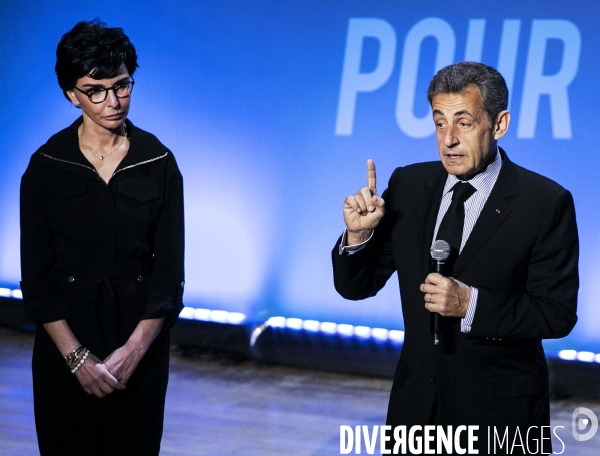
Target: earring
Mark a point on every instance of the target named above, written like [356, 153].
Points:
[77, 106]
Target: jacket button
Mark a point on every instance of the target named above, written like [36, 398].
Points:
[71, 279]
[140, 279]
[433, 378]
[182, 284]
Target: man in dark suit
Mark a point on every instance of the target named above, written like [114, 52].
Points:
[514, 273]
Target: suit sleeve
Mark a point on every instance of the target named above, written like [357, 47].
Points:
[365, 272]
[42, 296]
[546, 309]
[166, 288]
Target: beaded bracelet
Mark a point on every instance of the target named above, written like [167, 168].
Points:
[73, 358]
[85, 355]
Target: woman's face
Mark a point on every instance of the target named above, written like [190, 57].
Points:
[112, 112]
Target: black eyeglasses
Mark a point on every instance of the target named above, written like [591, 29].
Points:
[121, 90]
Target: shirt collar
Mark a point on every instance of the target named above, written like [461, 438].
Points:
[482, 180]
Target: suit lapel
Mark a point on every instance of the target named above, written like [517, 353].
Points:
[495, 211]
[428, 208]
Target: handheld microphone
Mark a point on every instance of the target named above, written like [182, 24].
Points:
[440, 251]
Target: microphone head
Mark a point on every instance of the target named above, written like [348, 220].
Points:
[440, 250]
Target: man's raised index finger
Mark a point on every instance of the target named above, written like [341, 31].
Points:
[371, 178]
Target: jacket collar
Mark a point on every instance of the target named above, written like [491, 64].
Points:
[62, 150]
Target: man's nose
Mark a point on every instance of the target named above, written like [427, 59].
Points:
[450, 137]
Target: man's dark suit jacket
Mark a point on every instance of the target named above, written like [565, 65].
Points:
[522, 256]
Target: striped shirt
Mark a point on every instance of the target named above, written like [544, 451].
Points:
[483, 184]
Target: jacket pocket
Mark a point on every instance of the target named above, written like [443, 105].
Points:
[524, 384]
[138, 190]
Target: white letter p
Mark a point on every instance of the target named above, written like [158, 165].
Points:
[353, 81]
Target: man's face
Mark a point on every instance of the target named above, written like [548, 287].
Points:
[465, 137]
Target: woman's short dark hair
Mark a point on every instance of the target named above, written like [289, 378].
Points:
[92, 49]
[456, 78]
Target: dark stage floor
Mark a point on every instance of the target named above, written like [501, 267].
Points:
[244, 409]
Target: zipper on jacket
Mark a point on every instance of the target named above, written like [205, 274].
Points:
[72, 163]
[113, 174]
[140, 163]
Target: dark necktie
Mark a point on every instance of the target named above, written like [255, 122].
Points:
[451, 228]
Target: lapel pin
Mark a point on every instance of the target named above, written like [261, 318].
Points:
[497, 211]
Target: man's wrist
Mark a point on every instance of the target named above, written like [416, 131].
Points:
[357, 237]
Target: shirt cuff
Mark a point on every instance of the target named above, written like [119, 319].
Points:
[467, 320]
[350, 249]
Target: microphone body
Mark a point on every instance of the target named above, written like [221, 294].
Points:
[440, 253]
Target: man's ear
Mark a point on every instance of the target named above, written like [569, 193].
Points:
[501, 126]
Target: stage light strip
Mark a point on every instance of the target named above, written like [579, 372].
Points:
[329, 327]
[583, 356]
[8, 293]
[217, 316]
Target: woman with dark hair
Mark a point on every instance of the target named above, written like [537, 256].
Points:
[101, 260]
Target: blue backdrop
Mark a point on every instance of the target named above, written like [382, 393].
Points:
[272, 109]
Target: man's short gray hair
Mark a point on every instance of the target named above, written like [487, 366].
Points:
[456, 78]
